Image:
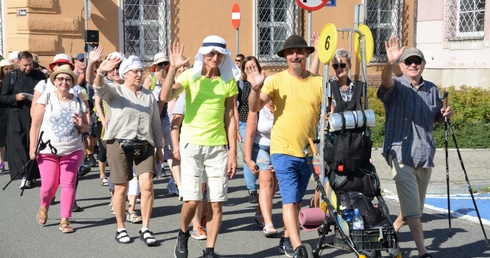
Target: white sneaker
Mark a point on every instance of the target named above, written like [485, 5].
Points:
[25, 184]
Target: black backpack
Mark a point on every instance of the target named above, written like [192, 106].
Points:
[356, 200]
[351, 148]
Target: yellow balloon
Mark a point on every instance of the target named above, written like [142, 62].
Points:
[368, 43]
[327, 43]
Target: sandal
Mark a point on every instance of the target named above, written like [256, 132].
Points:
[65, 226]
[42, 216]
[133, 217]
[103, 181]
[259, 219]
[111, 208]
[147, 237]
[122, 237]
[269, 230]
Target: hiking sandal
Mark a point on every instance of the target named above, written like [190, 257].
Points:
[133, 217]
[65, 226]
[42, 216]
[103, 181]
[259, 219]
[147, 237]
[122, 237]
[269, 230]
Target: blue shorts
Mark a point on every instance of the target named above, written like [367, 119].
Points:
[261, 156]
[293, 175]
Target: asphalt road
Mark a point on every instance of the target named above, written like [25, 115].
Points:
[21, 236]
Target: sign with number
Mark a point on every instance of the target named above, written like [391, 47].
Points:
[368, 43]
[311, 5]
[327, 43]
[235, 16]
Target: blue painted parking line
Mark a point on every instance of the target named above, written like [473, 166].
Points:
[462, 206]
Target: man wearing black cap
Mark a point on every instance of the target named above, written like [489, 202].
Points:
[412, 107]
[296, 95]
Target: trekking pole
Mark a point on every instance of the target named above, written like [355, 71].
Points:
[444, 104]
[467, 181]
[40, 146]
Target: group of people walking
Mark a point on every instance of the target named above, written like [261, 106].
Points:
[190, 118]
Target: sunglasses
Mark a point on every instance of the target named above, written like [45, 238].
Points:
[163, 64]
[341, 65]
[409, 62]
[67, 79]
[238, 60]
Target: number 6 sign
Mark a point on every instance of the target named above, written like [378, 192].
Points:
[327, 43]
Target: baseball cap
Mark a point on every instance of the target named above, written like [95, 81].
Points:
[80, 56]
[411, 52]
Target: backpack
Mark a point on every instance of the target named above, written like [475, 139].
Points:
[351, 148]
[356, 200]
[14, 76]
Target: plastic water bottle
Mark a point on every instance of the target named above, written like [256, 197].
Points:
[357, 222]
[348, 215]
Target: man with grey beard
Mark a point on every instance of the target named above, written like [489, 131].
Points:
[296, 95]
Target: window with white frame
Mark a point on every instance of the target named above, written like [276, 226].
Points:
[384, 19]
[465, 19]
[276, 20]
[145, 25]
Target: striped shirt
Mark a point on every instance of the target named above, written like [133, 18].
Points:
[410, 117]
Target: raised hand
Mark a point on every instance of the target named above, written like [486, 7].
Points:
[255, 78]
[314, 40]
[176, 55]
[109, 64]
[393, 49]
[96, 54]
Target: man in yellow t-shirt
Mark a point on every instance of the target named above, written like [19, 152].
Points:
[296, 95]
[209, 132]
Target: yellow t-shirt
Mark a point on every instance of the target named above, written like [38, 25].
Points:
[296, 107]
[205, 98]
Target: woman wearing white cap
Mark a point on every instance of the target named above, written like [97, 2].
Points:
[133, 132]
[208, 139]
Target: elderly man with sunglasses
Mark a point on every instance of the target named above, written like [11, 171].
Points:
[412, 107]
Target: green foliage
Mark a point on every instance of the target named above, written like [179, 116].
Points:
[471, 120]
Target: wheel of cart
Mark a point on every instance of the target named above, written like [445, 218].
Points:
[305, 251]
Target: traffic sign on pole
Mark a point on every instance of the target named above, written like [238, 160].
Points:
[311, 5]
[235, 16]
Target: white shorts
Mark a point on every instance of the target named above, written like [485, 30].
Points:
[210, 160]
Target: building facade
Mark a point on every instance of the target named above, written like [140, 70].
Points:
[145, 27]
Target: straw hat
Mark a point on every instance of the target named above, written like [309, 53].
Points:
[66, 69]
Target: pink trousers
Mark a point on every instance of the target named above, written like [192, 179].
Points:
[55, 171]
